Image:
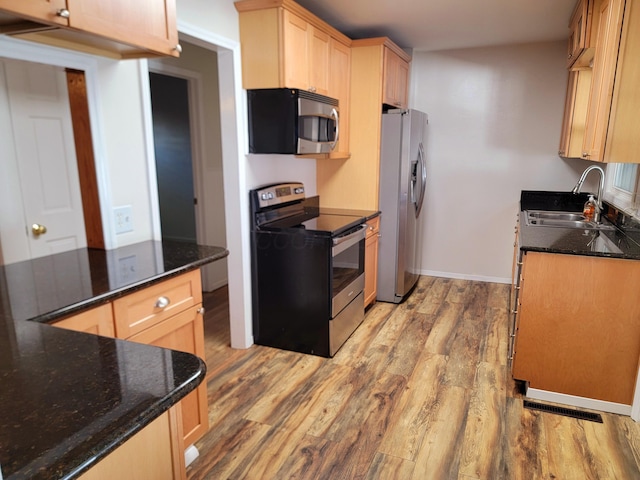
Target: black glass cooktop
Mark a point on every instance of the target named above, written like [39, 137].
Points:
[334, 224]
[330, 225]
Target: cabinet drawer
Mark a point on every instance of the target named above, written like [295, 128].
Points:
[138, 311]
[373, 226]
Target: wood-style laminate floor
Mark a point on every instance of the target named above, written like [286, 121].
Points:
[420, 391]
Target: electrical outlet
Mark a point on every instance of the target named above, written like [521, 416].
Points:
[123, 219]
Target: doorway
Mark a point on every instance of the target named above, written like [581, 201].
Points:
[172, 145]
[192, 82]
[49, 184]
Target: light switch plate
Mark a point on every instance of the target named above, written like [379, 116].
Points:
[123, 219]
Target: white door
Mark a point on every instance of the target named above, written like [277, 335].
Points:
[47, 171]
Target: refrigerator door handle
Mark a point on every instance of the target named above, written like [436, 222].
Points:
[414, 181]
[423, 179]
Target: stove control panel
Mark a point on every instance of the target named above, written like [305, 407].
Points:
[277, 194]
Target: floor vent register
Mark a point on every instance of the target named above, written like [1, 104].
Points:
[567, 412]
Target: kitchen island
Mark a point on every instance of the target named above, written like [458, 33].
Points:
[69, 398]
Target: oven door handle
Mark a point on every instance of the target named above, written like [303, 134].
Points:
[340, 244]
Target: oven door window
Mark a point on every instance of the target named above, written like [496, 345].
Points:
[348, 265]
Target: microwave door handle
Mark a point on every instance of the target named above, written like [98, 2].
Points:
[334, 115]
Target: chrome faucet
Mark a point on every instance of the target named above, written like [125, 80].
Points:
[578, 186]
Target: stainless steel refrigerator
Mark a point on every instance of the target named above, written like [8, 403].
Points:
[403, 176]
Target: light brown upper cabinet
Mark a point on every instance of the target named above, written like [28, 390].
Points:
[339, 87]
[395, 79]
[47, 11]
[355, 182]
[575, 113]
[581, 41]
[286, 46]
[118, 28]
[611, 133]
[306, 55]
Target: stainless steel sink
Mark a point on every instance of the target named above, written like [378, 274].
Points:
[542, 218]
[557, 215]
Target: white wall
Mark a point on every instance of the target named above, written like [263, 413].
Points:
[494, 127]
[124, 149]
[218, 16]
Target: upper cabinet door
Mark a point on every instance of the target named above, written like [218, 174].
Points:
[306, 55]
[602, 83]
[150, 24]
[395, 80]
[339, 86]
[296, 51]
[48, 11]
[319, 62]
[580, 26]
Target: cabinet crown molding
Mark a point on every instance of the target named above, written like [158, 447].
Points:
[317, 22]
[382, 41]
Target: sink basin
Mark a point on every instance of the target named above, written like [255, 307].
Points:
[540, 218]
[557, 215]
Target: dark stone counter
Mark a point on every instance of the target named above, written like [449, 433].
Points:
[68, 398]
[618, 242]
[366, 214]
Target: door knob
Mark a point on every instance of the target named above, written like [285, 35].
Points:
[38, 229]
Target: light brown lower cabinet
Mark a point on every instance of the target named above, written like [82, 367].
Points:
[98, 320]
[371, 261]
[154, 453]
[183, 332]
[168, 314]
[577, 325]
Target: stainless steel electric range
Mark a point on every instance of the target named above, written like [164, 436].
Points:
[307, 271]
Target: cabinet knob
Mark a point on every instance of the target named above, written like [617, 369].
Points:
[570, 56]
[560, 152]
[162, 302]
[201, 310]
[312, 89]
[63, 12]
[178, 48]
[585, 155]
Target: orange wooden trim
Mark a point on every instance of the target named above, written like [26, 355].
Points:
[79, 106]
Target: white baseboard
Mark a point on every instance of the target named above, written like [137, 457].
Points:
[581, 402]
[464, 276]
[190, 454]
[217, 285]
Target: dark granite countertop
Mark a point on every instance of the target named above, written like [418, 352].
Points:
[618, 242]
[366, 214]
[68, 398]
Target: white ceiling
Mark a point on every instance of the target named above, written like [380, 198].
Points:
[446, 24]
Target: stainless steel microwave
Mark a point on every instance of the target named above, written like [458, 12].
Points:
[292, 121]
